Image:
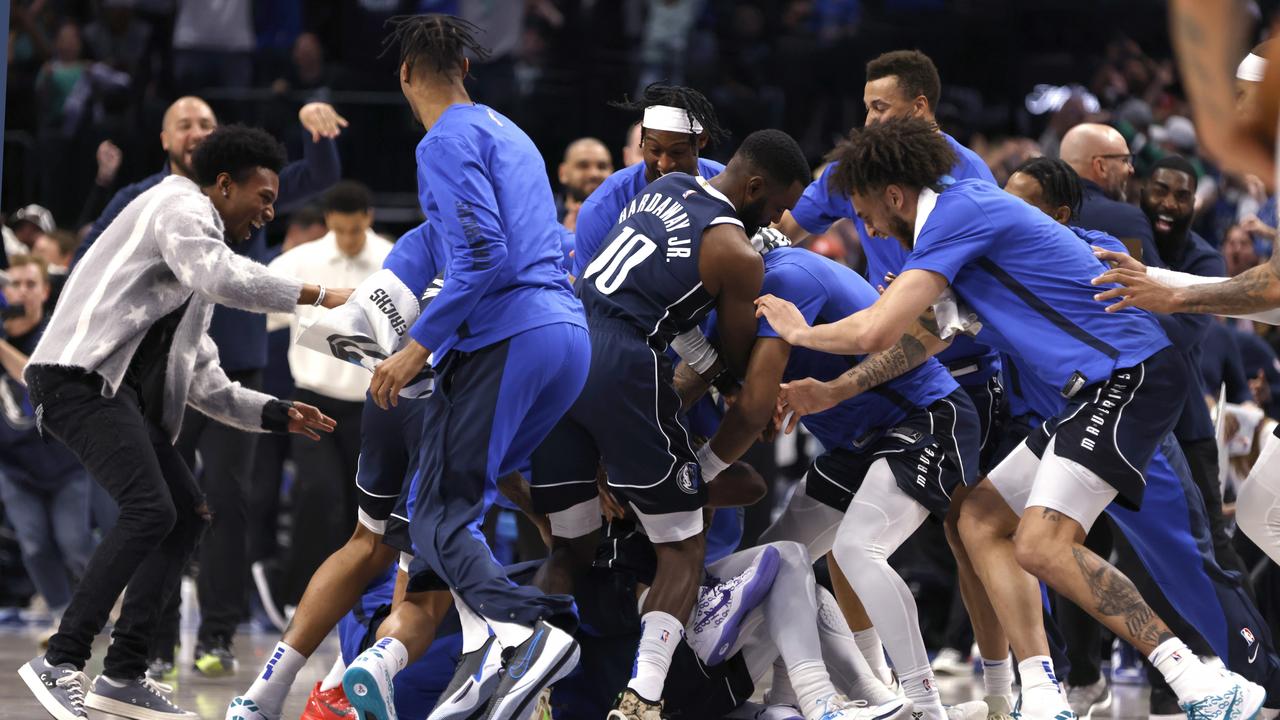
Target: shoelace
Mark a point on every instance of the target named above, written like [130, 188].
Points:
[73, 684]
[159, 689]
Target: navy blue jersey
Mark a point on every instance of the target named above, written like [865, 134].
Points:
[646, 273]
[819, 207]
[826, 291]
[1029, 280]
[601, 210]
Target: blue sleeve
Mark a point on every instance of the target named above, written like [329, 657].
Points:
[117, 203]
[594, 223]
[793, 283]
[317, 171]
[1130, 222]
[957, 232]
[471, 228]
[414, 260]
[818, 208]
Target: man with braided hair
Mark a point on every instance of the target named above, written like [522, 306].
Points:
[509, 345]
[1028, 279]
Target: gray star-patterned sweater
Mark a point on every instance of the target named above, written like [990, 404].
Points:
[164, 248]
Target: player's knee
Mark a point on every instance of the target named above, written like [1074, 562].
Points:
[1033, 549]
[792, 554]
[975, 524]
[855, 555]
[689, 552]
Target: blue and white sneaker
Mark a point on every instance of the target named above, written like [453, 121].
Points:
[722, 608]
[1237, 699]
[838, 707]
[367, 683]
[544, 658]
[243, 708]
[473, 683]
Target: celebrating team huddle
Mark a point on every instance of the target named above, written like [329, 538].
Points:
[610, 394]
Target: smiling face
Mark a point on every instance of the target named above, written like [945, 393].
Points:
[187, 122]
[885, 99]
[1169, 200]
[667, 152]
[883, 214]
[246, 205]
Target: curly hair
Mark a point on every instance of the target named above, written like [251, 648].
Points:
[777, 156]
[1058, 181]
[236, 150]
[697, 105]
[894, 152]
[439, 41]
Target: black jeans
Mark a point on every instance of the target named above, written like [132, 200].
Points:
[162, 513]
[222, 583]
[324, 491]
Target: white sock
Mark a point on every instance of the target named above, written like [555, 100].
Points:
[660, 633]
[475, 631]
[394, 655]
[873, 650]
[272, 685]
[997, 676]
[334, 678]
[848, 669]
[920, 688]
[812, 686]
[1040, 688]
[511, 634]
[780, 691]
[1189, 678]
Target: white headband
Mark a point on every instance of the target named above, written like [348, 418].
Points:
[1252, 68]
[671, 119]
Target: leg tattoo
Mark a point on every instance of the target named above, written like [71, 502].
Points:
[1115, 596]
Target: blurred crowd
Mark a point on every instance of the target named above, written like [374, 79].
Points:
[89, 83]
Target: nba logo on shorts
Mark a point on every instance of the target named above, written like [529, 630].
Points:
[1247, 634]
[666, 635]
[687, 478]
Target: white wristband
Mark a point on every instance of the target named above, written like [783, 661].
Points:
[320, 297]
[694, 348]
[711, 463]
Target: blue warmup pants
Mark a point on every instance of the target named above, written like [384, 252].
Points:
[1171, 537]
[490, 409]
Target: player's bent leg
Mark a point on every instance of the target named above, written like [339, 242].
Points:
[1258, 504]
[864, 633]
[1066, 500]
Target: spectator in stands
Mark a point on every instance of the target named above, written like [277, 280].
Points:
[632, 152]
[305, 225]
[308, 73]
[213, 44]
[1238, 250]
[44, 488]
[119, 38]
[324, 504]
[60, 74]
[241, 337]
[586, 164]
[29, 222]
[56, 249]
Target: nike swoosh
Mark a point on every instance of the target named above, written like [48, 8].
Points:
[890, 713]
[724, 600]
[521, 666]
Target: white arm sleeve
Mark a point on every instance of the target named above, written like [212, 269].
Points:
[1173, 278]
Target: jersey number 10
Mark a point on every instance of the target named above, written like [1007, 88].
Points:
[609, 269]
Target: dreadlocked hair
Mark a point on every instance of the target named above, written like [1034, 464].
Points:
[1058, 181]
[688, 99]
[439, 41]
[894, 152]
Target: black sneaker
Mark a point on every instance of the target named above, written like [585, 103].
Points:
[1164, 704]
[162, 670]
[544, 658]
[59, 689]
[215, 659]
[473, 683]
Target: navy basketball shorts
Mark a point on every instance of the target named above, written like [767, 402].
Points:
[388, 458]
[930, 452]
[992, 411]
[628, 415]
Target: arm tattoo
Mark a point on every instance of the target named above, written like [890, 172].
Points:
[884, 366]
[1253, 290]
[1115, 596]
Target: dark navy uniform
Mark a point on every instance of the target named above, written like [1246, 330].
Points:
[640, 290]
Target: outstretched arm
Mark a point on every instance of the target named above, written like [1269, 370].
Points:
[1254, 293]
[872, 330]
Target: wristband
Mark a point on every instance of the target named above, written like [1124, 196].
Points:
[711, 463]
[694, 348]
[726, 382]
[320, 297]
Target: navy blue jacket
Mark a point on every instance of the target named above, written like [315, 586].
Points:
[1186, 331]
[241, 336]
[1220, 364]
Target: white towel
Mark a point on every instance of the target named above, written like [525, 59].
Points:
[373, 324]
[954, 317]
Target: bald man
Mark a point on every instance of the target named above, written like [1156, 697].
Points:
[1101, 157]
[226, 453]
[587, 162]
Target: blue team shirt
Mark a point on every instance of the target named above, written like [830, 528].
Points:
[826, 291]
[484, 190]
[601, 210]
[1028, 279]
[819, 207]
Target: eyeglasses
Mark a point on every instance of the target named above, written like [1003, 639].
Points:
[1126, 158]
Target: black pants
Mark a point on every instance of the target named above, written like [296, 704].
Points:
[324, 491]
[222, 583]
[162, 514]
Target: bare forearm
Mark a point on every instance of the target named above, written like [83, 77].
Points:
[690, 385]
[1254, 290]
[844, 337]
[881, 367]
[1209, 39]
